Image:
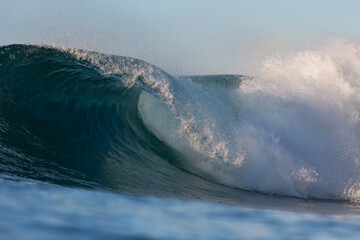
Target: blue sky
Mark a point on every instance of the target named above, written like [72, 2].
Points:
[182, 37]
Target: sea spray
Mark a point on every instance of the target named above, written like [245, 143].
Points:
[291, 130]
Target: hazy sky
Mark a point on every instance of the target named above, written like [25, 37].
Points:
[183, 36]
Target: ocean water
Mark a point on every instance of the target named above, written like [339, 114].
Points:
[96, 146]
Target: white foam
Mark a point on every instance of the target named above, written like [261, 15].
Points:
[304, 116]
[293, 130]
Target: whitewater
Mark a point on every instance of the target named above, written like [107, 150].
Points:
[80, 127]
[292, 130]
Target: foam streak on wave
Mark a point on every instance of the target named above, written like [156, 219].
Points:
[199, 135]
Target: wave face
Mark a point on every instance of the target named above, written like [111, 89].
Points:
[70, 117]
[80, 118]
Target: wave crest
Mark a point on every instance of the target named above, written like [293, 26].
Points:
[292, 130]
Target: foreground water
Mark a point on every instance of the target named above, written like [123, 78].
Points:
[41, 211]
[108, 147]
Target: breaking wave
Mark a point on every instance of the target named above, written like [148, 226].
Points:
[75, 117]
